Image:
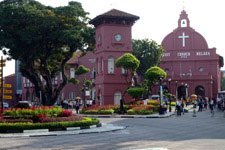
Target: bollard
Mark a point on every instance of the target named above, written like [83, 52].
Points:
[212, 113]
[194, 113]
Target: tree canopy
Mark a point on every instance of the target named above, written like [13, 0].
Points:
[130, 63]
[135, 92]
[148, 52]
[153, 74]
[43, 39]
[81, 70]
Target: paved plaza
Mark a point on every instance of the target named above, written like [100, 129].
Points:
[174, 133]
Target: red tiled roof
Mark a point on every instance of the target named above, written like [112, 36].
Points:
[114, 13]
[74, 59]
[118, 13]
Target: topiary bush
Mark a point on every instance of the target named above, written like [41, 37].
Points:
[136, 92]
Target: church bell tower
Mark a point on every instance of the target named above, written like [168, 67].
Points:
[113, 39]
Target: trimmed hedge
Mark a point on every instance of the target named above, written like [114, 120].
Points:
[94, 111]
[51, 125]
[139, 112]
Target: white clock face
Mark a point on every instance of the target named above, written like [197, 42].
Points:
[118, 37]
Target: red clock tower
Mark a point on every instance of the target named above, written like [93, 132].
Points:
[113, 39]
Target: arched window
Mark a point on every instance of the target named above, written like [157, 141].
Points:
[110, 65]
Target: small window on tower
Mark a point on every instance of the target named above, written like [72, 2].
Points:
[201, 69]
[183, 23]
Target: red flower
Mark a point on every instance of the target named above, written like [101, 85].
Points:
[66, 113]
[42, 116]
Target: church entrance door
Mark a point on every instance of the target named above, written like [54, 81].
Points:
[200, 90]
[181, 92]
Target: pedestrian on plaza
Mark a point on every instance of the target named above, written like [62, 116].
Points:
[200, 105]
[211, 105]
[206, 103]
[178, 105]
[195, 103]
[77, 106]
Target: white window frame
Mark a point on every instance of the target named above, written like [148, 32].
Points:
[72, 73]
[71, 95]
[111, 65]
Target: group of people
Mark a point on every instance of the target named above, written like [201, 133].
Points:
[75, 104]
[179, 106]
[203, 103]
[71, 104]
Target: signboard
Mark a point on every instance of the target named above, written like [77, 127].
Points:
[6, 91]
[6, 85]
[87, 93]
[7, 97]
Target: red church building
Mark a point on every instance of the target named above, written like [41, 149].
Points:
[191, 66]
[113, 39]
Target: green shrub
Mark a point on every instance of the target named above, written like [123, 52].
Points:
[144, 112]
[50, 125]
[91, 111]
[153, 102]
[94, 111]
[110, 111]
[135, 92]
[131, 112]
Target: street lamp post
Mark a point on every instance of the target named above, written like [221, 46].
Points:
[186, 88]
[176, 89]
[169, 80]
[161, 95]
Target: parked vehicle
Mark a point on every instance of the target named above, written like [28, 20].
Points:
[155, 97]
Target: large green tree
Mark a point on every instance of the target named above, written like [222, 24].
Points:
[148, 52]
[130, 64]
[43, 39]
[152, 75]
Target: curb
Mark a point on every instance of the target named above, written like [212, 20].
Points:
[70, 131]
[130, 116]
[51, 130]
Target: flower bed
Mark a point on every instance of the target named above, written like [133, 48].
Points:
[107, 109]
[130, 109]
[41, 118]
[50, 125]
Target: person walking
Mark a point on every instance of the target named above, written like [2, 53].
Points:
[77, 107]
[211, 105]
[182, 105]
[200, 105]
[178, 105]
